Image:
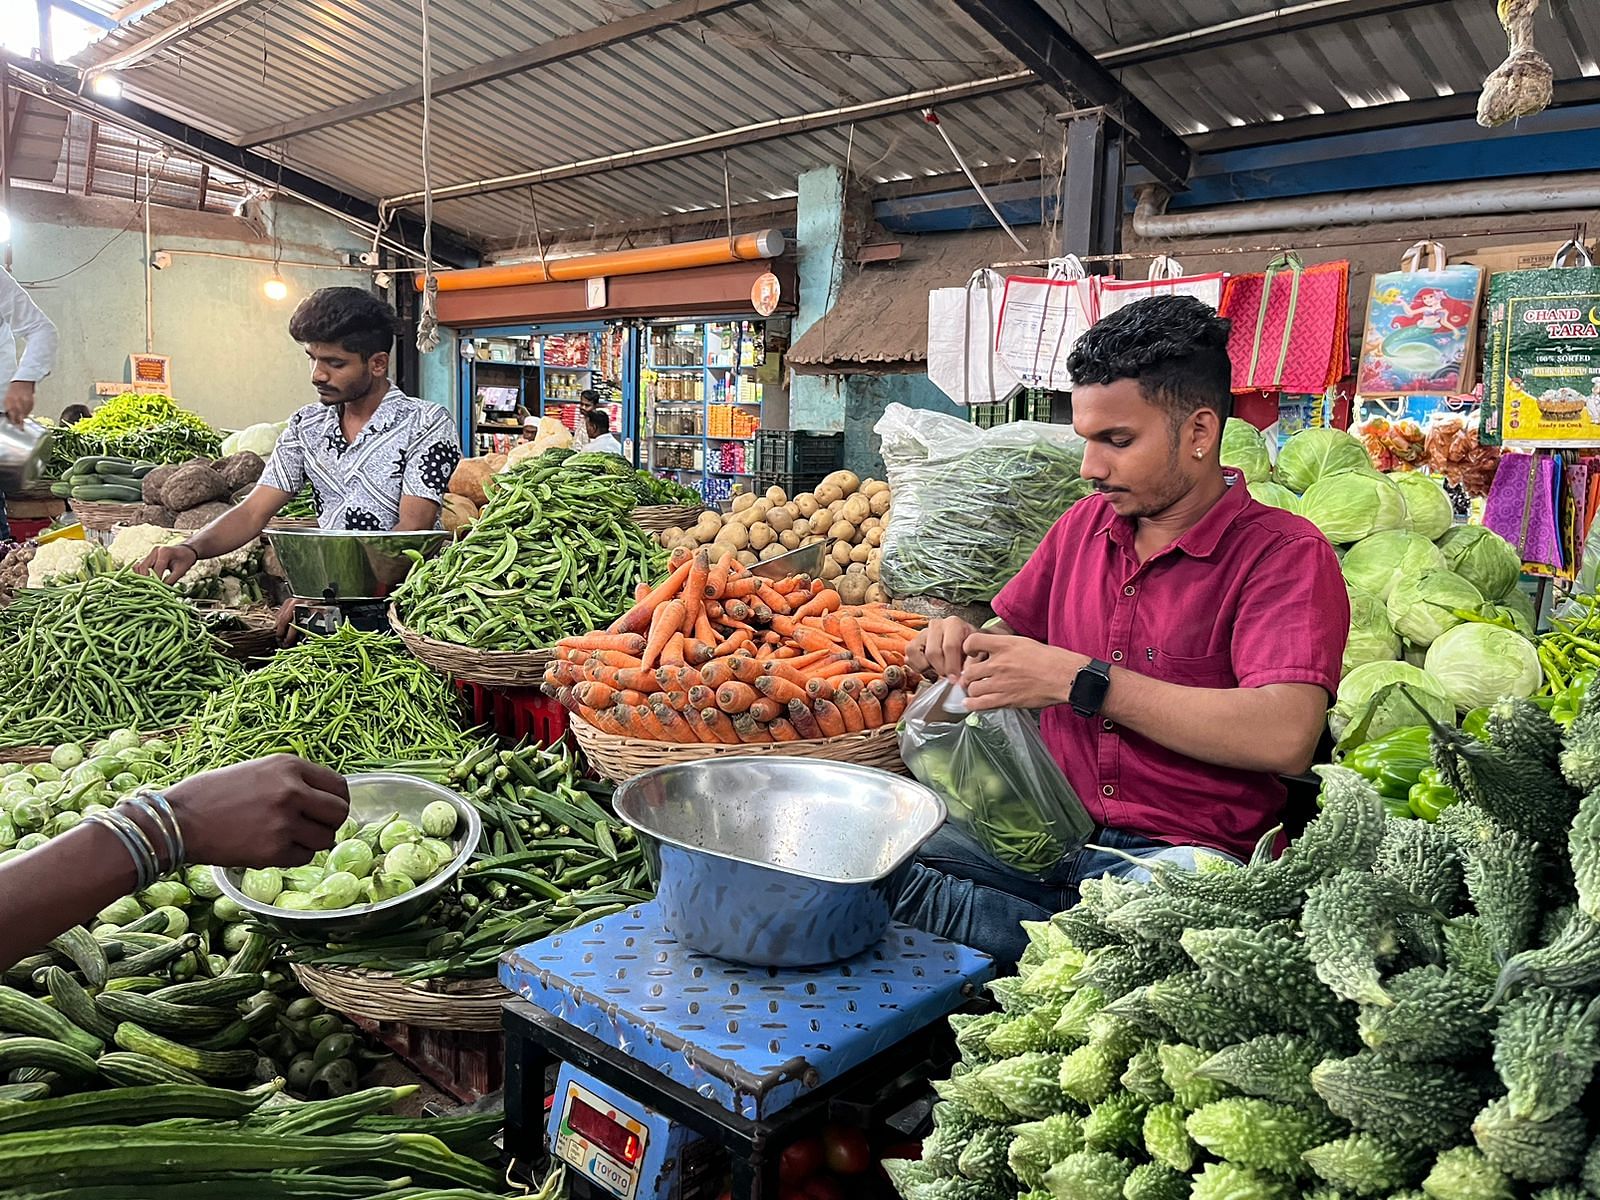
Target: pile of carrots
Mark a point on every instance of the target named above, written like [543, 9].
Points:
[717, 655]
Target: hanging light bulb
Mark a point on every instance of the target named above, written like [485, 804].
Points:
[275, 288]
[107, 86]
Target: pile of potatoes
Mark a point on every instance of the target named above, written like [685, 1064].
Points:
[847, 512]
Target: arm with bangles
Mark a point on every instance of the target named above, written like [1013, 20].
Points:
[272, 812]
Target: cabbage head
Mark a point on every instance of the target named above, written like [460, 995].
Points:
[1375, 564]
[1477, 664]
[1372, 702]
[1422, 607]
[1483, 558]
[1516, 606]
[1428, 509]
[1372, 636]
[1274, 495]
[1244, 447]
[1350, 505]
[1313, 453]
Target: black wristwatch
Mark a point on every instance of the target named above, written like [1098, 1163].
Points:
[1089, 688]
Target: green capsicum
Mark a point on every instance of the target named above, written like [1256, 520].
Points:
[1476, 724]
[1393, 762]
[1568, 702]
[1431, 796]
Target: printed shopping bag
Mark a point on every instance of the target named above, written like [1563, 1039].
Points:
[1291, 326]
[962, 325]
[1544, 351]
[1042, 319]
[1522, 509]
[1421, 330]
[1165, 278]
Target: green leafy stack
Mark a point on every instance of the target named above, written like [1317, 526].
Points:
[1390, 1009]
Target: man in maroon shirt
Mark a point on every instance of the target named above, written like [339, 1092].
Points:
[1181, 638]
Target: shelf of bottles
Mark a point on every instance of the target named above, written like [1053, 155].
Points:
[703, 403]
[543, 375]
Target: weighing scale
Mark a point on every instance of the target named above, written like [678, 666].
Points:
[343, 577]
[669, 1063]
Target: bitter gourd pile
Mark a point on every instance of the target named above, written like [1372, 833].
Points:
[1389, 1009]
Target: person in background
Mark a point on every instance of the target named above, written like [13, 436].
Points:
[73, 413]
[530, 428]
[272, 812]
[21, 318]
[600, 440]
[588, 402]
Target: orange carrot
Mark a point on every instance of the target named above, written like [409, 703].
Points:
[760, 614]
[874, 647]
[717, 577]
[640, 591]
[765, 652]
[629, 696]
[676, 701]
[894, 707]
[829, 719]
[746, 670]
[779, 688]
[736, 641]
[677, 678]
[664, 624]
[635, 679]
[612, 658]
[803, 720]
[853, 640]
[837, 668]
[701, 696]
[745, 585]
[735, 697]
[738, 610]
[713, 610]
[702, 627]
[871, 710]
[749, 731]
[594, 695]
[639, 618]
[720, 724]
[697, 653]
[719, 671]
[628, 643]
[676, 727]
[646, 724]
[672, 655]
[825, 601]
[808, 638]
[694, 587]
[897, 677]
[818, 688]
[782, 731]
[680, 555]
[702, 732]
[783, 625]
[601, 719]
[563, 674]
[791, 584]
[765, 710]
[854, 720]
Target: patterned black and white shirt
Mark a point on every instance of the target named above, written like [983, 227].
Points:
[408, 448]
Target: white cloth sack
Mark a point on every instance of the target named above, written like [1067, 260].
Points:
[1042, 319]
[962, 324]
[1165, 278]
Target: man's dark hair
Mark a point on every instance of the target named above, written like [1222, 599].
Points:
[354, 319]
[1175, 346]
[599, 422]
[589, 394]
[75, 412]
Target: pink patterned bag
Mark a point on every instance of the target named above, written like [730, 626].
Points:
[1291, 326]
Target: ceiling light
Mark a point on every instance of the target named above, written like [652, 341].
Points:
[107, 86]
[275, 288]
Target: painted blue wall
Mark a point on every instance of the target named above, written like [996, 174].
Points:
[819, 260]
[865, 398]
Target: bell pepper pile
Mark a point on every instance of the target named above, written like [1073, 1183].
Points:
[1400, 767]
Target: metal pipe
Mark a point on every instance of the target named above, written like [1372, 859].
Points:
[1476, 198]
[149, 266]
[169, 36]
[5, 158]
[767, 243]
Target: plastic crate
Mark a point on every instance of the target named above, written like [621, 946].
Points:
[466, 1064]
[22, 528]
[798, 452]
[517, 714]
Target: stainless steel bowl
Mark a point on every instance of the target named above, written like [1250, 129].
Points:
[778, 862]
[805, 561]
[372, 796]
[22, 453]
[352, 564]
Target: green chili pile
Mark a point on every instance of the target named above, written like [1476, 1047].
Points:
[963, 526]
[122, 650]
[139, 426]
[553, 553]
[351, 701]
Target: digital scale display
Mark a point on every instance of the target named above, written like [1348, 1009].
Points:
[605, 1145]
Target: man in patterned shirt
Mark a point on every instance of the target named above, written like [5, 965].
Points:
[376, 458]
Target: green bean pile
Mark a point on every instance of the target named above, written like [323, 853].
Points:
[551, 858]
[964, 526]
[302, 507]
[351, 701]
[122, 650]
[554, 553]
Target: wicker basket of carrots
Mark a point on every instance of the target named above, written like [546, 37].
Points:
[715, 660]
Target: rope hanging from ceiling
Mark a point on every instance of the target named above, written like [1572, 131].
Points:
[428, 319]
[1523, 84]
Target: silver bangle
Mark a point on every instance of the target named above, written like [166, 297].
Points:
[145, 868]
[159, 799]
[143, 801]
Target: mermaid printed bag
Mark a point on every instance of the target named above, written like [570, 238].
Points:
[1422, 325]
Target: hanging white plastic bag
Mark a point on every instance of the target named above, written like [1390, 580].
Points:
[996, 777]
[1042, 319]
[962, 325]
[1165, 278]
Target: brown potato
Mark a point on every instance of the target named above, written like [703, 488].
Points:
[811, 539]
[842, 530]
[856, 509]
[827, 493]
[852, 589]
[802, 526]
[830, 569]
[839, 552]
[780, 518]
[747, 559]
[878, 502]
[877, 593]
[806, 504]
[743, 501]
[859, 552]
[776, 495]
[772, 552]
[871, 487]
[874, 536]
[789, 540]
[761, 536]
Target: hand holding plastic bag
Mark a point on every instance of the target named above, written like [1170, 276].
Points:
[996, 778]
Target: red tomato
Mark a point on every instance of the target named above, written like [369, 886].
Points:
[848, 1151]
[824, 1187]
[800, 1160]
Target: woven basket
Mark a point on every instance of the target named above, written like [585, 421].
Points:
[39, 754]
[101, 517]
[378, 996]
[258, 638]
[619, 759]
[293, 523]
[654, 518]
[491, 668]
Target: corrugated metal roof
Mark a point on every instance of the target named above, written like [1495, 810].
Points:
[281, 59]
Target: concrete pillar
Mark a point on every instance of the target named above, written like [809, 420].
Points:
[817, 402]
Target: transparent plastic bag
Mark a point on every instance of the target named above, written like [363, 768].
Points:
[971, 505]
[996, 778]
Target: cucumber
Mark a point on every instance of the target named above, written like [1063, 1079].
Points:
[133, 1106]
[320, 1116]
[61, 489]
[21, 1013]
[90, 462]
[210, 1064]
[89, 956]
[230, 989]
[137, 1070]
[253, 958]
[154, 958]
[115, 466]
[182, 1021]
[47, 1054]
[76, 1004]
[143, 984]
[108, 493]
[140, 470]
[11, 1093]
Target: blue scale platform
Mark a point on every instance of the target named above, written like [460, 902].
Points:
[751, 1039]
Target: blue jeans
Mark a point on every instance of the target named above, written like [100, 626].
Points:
[958, 890]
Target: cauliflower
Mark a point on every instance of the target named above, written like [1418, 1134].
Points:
[65, 560]
[229, 578]
[133, 543]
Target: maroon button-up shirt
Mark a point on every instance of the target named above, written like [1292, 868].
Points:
[1251, 595]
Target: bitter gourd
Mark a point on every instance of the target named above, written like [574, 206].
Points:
[1521, 728]
[1419, 856]
[1467, 950]
[1026, 1084]
[1152, 1181]
[1226, 1181]
[1366, 1164]
[1166, 1137]
[1161, 918]
[1180, 1065]
[1533, 1151]
[1037, 1145]
[1210, 1017]
[1089, 1073]
[1463, 1173]
[1116, 1124]
[983, 1160]
[1350, 927]
[1562, 1191]
[1143, 1076]
[966, 1089]
[1018, 1035]
[1135, 1008]
[1427, 1104]
[1085, 927]
[1436, 1015]
[1274, 1066]
[1261, 1134]
[1502, 873]
[1522, 793]
[1591, 1168]
[1072, 1026]
[1056, 976]
[1571, 961]
[1268, 963]
[1116, 970]
[1546, 1046]
[1087, 1175]
[972, 1034]
[1583, 852]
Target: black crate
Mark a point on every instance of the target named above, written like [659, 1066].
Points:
[791, 482]
[798, 452]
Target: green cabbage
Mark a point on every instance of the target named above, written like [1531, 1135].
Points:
[1375, 564]
[1372, 702]
[1516, 605]
[1428, 509]
[1422, 607]
[1477, 664]
[1350, 505]
[1313, 453]
[1372, 636]
[1244, 447]
[1483, 558]
[1274, 495]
